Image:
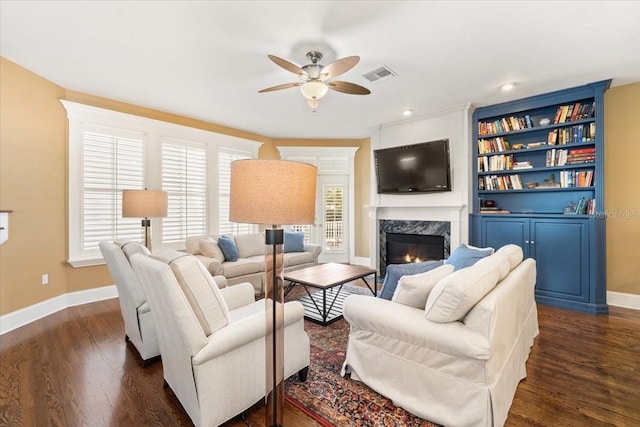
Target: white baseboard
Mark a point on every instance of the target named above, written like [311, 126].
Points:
[18, 318]
[620, 299]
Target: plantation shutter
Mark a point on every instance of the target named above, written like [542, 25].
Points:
[184, 178]
[225, 157]
[110, 163]
[333, 218]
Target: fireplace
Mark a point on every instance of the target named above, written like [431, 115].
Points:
[406, 248]
[428, 234]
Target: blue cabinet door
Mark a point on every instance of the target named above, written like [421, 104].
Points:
[561, 251]
[497, 232]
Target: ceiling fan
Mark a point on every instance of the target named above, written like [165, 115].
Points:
[315, 77]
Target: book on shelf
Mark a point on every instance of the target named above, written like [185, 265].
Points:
[494, 211]
[536, 144]
[522, 165]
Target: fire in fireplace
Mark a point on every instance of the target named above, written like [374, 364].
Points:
[406, 248]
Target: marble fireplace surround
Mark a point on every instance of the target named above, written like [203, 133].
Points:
[448, 221]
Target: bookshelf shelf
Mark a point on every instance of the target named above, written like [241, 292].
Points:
[569, 248]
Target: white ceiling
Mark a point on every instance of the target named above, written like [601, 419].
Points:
[208, 59]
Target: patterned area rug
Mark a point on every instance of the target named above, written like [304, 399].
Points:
[336, 401]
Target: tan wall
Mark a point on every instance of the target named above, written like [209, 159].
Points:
[33, 183]
[622, 195]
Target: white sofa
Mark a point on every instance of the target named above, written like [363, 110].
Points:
[250, 264]
[456, 360]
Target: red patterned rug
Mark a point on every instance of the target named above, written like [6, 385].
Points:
[336, 401]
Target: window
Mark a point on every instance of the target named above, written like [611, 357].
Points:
[111, 151]
[184, 178]
[225, 157]
[333, 197]
[112, 162]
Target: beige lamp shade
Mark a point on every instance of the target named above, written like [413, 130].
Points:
[144, 203]
[272, 192]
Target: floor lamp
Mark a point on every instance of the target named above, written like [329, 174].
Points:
[275, 192]
[144, 204]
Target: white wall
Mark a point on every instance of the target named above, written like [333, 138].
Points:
[453, 124]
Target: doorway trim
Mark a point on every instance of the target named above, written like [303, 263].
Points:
[330, 161]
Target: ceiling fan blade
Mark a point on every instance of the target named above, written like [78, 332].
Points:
[278, 87]
[288, 65]
[339, 66]
[350, 88]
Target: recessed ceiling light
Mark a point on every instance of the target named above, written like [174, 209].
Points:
[508, 86]
[407, 112]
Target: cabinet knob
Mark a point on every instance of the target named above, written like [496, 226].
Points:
[533, 243]
[526, 241]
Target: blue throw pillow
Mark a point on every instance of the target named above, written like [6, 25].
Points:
[228, 248]
[466, 256]
[396, 271]
[294, 241]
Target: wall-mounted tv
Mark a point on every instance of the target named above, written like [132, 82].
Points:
[417, 168]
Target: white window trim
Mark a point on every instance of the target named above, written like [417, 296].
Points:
[154, 131]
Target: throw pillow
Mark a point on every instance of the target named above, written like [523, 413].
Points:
[456, 294]
[467, 255]
[294, 241]
[228, 247]
[209, 248]
[413, 290]
[396, 271]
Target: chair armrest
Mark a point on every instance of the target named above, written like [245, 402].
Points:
[409, 325]
[238, 295]
[239, 334]
[212, 265]
[314, 249]
[221, 281]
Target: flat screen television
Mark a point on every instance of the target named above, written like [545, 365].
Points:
[417, 168]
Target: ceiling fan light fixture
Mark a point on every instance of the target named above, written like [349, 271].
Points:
[314, 89]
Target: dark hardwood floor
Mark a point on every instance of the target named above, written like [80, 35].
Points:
[73, 368]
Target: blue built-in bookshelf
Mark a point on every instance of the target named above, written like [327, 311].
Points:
[538, 170]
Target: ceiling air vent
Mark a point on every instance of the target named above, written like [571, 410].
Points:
[379, 74]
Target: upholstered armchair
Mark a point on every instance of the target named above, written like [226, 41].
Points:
[139, 326]
[213, 340]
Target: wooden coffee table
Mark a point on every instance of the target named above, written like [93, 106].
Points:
[326, 306]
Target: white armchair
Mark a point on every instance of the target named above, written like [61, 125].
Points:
[139, 326]
[213, 341]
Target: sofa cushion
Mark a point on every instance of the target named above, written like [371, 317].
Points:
[209, 248]
[249, 244]
[513, 253]
[454, 295]
[241, 267]
[414, 289]
[297, 258]
[201, 292]
[467, 255]
[228, 247]
[396, 271]
[294, 241]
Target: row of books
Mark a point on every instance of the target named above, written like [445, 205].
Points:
[501, 162]
[493, 145]
[562, 157]
[505, 124]
[574, 178]
[493, 210]
[573, 112]
[573, 134]
[500, 182]
[584, 206]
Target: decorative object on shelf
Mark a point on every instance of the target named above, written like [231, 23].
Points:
[550, 180]
[276, 192]
[144, 204]
[532, 184]
[570, 208]
[545, 121]
[488, 203]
